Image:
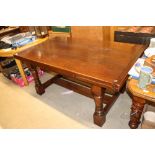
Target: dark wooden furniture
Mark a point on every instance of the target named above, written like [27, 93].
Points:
[95, 69]
[140, 97]
[139, 36]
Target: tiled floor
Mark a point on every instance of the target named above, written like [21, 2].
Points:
[76, 106]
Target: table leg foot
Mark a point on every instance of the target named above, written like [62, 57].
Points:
[99, 119]
[39, 90]
[99, 115]
[136, 111]
[38, 86]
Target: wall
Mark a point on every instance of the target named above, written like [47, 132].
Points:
[101, 33]
[87, 32]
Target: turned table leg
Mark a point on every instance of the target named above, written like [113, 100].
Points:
[38, 86]
[136, 111]
[99, 115]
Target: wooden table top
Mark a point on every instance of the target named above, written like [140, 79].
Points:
[105, 64]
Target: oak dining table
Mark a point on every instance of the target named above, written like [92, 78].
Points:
[95, 69]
